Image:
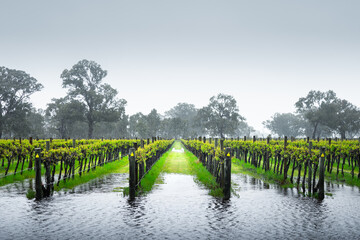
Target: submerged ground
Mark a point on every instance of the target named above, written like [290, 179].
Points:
[179, 208]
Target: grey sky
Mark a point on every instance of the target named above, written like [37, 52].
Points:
[266, 53]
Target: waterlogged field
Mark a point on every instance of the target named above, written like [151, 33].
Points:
[180, 207]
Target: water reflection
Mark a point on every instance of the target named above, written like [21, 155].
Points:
[179, 209]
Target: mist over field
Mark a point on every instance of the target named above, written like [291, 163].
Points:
[267, 55]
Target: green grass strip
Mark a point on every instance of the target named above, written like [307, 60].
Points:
[241, 167]
[259, 173]
[203, 176]
[121, 166]
[15, 178]
[149, 179]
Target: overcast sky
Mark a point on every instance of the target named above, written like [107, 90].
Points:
[267, 54]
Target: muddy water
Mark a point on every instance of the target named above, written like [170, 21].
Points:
[179, 209]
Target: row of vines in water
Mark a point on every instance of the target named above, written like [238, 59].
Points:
[66, 156]
[297, 161]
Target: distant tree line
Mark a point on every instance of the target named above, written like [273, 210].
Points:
[319, 114]
[91, 109]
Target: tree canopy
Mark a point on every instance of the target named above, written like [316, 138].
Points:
[325, 109]
[84, 83]
[221, 116]
[284, 124]
[64, 112]
[15, 89]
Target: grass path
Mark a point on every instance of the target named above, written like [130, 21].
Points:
[181, 161]
[177, 161]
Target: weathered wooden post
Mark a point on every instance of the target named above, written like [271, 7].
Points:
[216, 142]
[222, 168]
[328, 159]
[38, 184]
[321, 174]
[47, 146]
[227, 174]
[132, 184]
[136, 167]
[142, 143]
[141, 165]
[267, 159]
[74, 143]
[310, 169]
[285, 159]
[209, 163]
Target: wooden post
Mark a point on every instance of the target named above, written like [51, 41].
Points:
[227, 174]
[142, 143]
[74, 143]
[254, 139]
[216, 142]
[310, 170]
[47, 146]
[285, 159]
[38, 184]
[222, 144]
[321, 174]
[30, 140]
[141, 171]
[244, 138]
[132, 184]
[136, 167]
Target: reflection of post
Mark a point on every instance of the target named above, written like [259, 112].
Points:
[227, 174]
[321, 174]
[38, 183]
[132, 173]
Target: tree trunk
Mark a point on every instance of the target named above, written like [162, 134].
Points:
[62, 130]
[91, 129]
[315, 129]
[1, 124]
[342, 133]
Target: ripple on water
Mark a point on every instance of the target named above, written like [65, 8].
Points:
[179, 209]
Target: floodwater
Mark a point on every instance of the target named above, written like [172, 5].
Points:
[179, 208]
